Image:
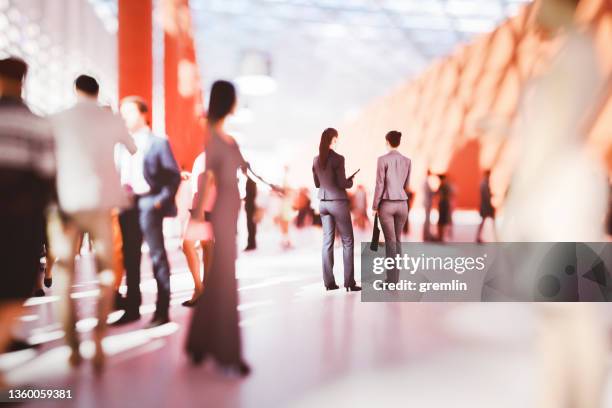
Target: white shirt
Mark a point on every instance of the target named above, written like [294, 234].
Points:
[199, 166]
[132, 166]
[85, 138]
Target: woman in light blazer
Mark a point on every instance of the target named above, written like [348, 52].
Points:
[391, 196]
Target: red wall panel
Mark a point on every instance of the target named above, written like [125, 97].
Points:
[182, 88]
[135, 49]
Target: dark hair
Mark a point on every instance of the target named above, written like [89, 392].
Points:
[222, 100]
[326, 138]
[13, 68]
[140, 103]
[394, 137]
[88, 85]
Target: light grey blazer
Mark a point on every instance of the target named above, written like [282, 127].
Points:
[392, 177]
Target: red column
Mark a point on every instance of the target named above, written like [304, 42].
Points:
[136, 49]
[182, 88]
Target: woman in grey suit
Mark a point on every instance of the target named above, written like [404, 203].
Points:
[330, 178]
[391, 196]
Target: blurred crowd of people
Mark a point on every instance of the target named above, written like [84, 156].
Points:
[438, 193]
[88, 175]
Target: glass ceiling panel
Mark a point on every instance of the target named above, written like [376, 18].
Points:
[491, 9]
[423, 24]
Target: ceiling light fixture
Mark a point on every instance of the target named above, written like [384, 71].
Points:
[256, 74]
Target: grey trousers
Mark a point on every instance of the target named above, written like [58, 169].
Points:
[393, 216]
[336, 214]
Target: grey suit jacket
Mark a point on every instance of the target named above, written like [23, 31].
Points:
[392, 176]
[331, 180]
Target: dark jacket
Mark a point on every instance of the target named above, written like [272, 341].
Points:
[162, 173]
[331, 180]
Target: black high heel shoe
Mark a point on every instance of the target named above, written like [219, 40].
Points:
[353, 288]
[332, 287]
[189, 303]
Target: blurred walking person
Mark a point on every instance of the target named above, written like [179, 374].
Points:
[445, 214]
[27, 184]
[196, 232]
[360, 208]
[214, 330]
[486, 206]
[557, 194]
[391, 197]
[89, 190]
[303, 205]
[330, 178]
[428, 196]
[285, 211]
[152, 176]
[250, 208]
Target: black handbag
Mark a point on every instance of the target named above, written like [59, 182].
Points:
[375, 235]
[376, 231]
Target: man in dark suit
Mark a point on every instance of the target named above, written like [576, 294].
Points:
[153, 177]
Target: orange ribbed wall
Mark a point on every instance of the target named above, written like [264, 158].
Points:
[442, 112]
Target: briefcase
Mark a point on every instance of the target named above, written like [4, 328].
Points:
[375, 235]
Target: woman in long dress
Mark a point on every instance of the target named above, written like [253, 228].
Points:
[214, 327]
